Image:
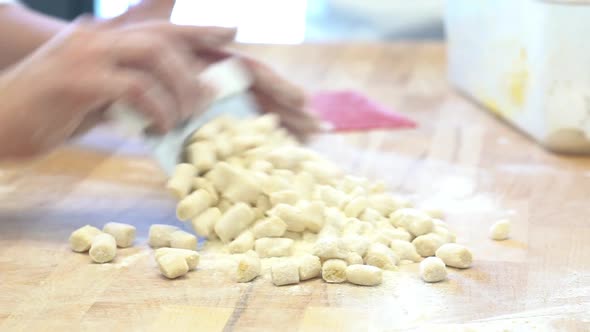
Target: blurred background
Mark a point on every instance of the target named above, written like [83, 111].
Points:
[287, 21]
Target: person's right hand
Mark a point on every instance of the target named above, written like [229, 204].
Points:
[89, 66]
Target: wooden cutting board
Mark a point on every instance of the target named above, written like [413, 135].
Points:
[460, 157]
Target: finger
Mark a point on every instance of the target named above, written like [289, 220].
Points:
[193, 37]
[169, 63]
[268, 82]
[146, 96]
[300, 122]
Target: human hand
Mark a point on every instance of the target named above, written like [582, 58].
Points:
[87, 67]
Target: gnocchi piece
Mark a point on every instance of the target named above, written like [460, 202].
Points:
[444, 233]
[266, 123]
[426, 245]
[414, 221]
[234, 221]
[81, 239]
[310, 267]
[364, 275]
[242, 189]
[355, 243]
[387, 235]
[204, 184]
[435, 213]
[261, 166]
[202, 155]
[291, 215]
[273, 247]
[183, 240]
[405, 250]
[356, 206]
[289, 197]
[159, 235]
[193, 205]
[244, 242]
[285, 272]
[387, 203]
[262, 206]
[269, 227]
[224, 205]
[313, 213]
[354, 258]
[204, 223]
[179, 184]
[455, 255]
[334, 271]
[248, 267]
[370, 215]
[222, 175]
[322, 171]
[275, 183]
[292, 235]
[206, 132]
[331, 196]
[103, 248]
[192, 257]
[172, 265]
[432, 269]
[381, 256]
[303, 184]
[124, 234]
[327, 248]
[500, 230]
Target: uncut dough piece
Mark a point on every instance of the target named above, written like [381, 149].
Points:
[81, 239]
[234, 221]
[426, 245]
[310, 267]
[285, 272]
[172, 265]
[364, 275]
[204, 223]
[432, 269]
[244, 242]
[192, 257]
[334, 271]
[500, 230]
[159, 235]
[248, 267]
[273, 247]
[269, 227]
[103, 248]
[381, 256]
[455, 255]
[183, 240]
[193, 204]
[124, 234]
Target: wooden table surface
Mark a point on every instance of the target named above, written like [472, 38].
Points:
[461, 158]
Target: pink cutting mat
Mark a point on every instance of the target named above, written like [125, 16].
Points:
[352, 111]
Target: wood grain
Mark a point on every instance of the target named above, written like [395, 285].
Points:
[460, 157]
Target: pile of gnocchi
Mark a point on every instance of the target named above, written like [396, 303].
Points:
[248, 184]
